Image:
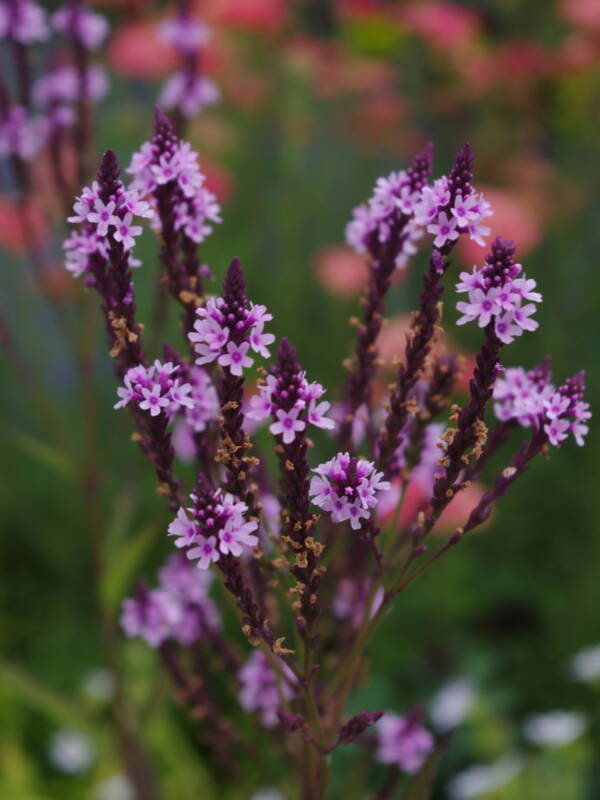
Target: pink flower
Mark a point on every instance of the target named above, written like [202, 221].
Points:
[103, 216]
[153, 402]
[287, 425]
[341, 271]
[316, 415]
[125, 231]
[506, 330]
[235, 358]
[260, 340]
[136, 50]
[445, 25]
[522, 317]
[481, 306]
[443, 229]
[206, 552]
[184, 529]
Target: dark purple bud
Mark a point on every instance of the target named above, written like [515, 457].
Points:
[461, 175]
[357, 725]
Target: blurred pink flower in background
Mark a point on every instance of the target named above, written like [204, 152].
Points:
[582, 13]
[444, 25]
[514, 217]
[259, 16]
[15, 232]
[340, 270]
[219, 180]
[455, 514]
[137, 50]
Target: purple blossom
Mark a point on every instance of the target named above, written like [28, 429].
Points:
[291, 408]
[189, 94]
[348, 488]
[394, 196]
[23, 21]
[262, 690]
[195, 208]
[403, 741]
[76, 20]
[530, 399]
[153, 389]
[218, 526]
[496, 292]
[179, 608]
[217, 337]
[349, 602]
[64, 85]
[186, 34]
[22, 135]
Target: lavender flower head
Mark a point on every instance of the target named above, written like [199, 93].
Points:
[262, 690]
[77, 20]
[218, 526]
[403, 742]
[23, 21]
[167, 161]
[530, 399]
[179, 608]
[225, 332]
[348, 488]
[187, 91]
[155, 390]
[497, 292]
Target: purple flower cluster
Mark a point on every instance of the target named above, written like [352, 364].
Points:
[347, 487]
[187, 91]
[21, 134]
[439, 209]
[205, 402]
[530, 399]
[76, 20]
[226, 334]
[23, 21]
[291, 418]
[175, 164]
[262, 690]
[448, 213]
[60, 88]
[103, 219]
[218, 526]
[179, 608]
[392, 197]
[403, 742]
[497, 292]
[155, 390]
[351, 597]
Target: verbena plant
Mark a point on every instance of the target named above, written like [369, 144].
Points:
[300, 548]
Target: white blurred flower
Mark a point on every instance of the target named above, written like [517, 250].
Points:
[118, 787]
[98, 684]
[554, 728]
[585, 665]
[71, 751]
[482, 778]
[268, 794]
[452, 704]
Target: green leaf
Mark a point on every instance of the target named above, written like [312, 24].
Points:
[124, 563]
[42, 697]
[421, 784]
[44, 454]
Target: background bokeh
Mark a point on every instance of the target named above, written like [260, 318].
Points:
[319, 98]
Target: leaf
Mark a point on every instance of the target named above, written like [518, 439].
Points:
[124, 563]
[421, 784]
[44, 454]
[42, 697]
